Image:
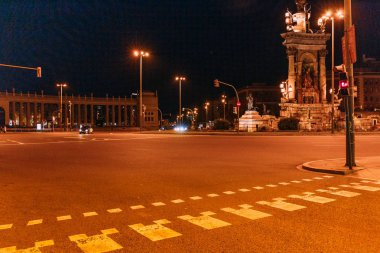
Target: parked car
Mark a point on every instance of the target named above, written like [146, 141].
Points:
[85, 129]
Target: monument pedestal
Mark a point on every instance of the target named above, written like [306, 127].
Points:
[251, 121]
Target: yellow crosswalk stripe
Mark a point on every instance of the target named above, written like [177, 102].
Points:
[281, 204]
[362, 187]
[6, 226]
[205, 221]
[155, 232]
[64, 217]
[34, 222]
[97, 243]
[246, 212]
[114, 210]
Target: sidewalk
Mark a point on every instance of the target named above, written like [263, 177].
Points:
[367, 167]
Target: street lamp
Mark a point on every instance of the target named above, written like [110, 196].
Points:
[322, 23]
[207, 104]
[180, 79]
[224, 101]
[140, 54]
[217, 85]
[61, 85]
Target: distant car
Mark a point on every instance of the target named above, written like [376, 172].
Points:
[85, 129]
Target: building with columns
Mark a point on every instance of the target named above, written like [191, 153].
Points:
[27, 110]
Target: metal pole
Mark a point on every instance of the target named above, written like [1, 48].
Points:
[140, 109]
[224, 110]
[179, 111]
[238, 102]
[60, 110]
[332, 76]
[349, 67]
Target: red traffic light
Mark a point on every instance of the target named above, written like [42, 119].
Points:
[39, 72]
[238, 103]
[343, 84]
[216, 83]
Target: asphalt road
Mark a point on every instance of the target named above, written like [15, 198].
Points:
[125, 192]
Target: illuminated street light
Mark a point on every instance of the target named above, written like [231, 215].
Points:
[207, 104]
[140, 54]
[61, 85]
[224, 101]
[180, 79]
[322, 24]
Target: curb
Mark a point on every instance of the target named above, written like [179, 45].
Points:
[333, 169]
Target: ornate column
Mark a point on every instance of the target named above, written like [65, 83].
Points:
[85, 113]
[92, 114]
[119, 114]
[107, 115]
[291, 51]
[322, 75]
[125, 115]
[299, 83]
[14, 112]
[35, 115]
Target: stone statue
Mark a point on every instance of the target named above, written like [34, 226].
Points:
[301, 5]
[249, 102]
[307, 80]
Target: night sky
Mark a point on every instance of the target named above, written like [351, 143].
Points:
[89, 44]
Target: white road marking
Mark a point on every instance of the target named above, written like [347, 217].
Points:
[35, 249]
[137, 207]
[307, 180]
[195, 198]
[284, 183]
[158, 204]
[155, 232]
[362, 187]
[246, 212]
[258, 187]
[373, 182]
[309, 196]
[244, 190]
[281, 204]
[114, 210]
[271, 185]
[318, 178]
[342, 193]
[205, 221]
[89, 214]
[296, 181]
[6, 226]
[328, 176]
[213, 195]
[15, 142]
[229, 192]
[97, 243]
[177, 201]
[34, 222]
[64, 217]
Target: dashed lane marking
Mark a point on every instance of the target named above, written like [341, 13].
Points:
[64, 217]
[333, 188]
[258, 187]
[34, 222]
[318, 178]
[6, 226]
[271, 185]
[284, 183]
[281, 204]
[296, 181]
[15, 142]
[307, 180]
[158, 204]
[244, 190]
[205, 221]
[35, 249]
[342, 193]
[229, 192]
[309, 196]
[195, 198]
[137, 207]
[97, 243]
[89, 214]
[328, 176]
[246, 212]
[213, 195]
[155, 232]
[177, 201]
[114, 210]
[368, 181]
[362, 187]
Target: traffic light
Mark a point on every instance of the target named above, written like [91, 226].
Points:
[216, 83]
[39, 72]
[343, 83]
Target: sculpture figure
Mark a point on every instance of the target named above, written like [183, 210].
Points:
[249, 102]
[301, 5]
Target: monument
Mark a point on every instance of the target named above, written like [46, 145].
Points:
[304, 92]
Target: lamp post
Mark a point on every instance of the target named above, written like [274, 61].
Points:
[206, 109]
[217, 85]
[70, 113]
[322, 24]
[224, 98]
[140, 54]
[180, 79]
[61, 85]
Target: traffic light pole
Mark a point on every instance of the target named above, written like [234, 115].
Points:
[350, 134]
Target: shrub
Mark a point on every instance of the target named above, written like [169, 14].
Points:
[221, 124]
[288, 124]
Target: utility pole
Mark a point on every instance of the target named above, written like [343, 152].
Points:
[350, 127]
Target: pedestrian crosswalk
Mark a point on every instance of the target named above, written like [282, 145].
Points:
[164, 229]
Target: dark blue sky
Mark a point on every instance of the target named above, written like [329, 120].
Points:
[89, 44]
